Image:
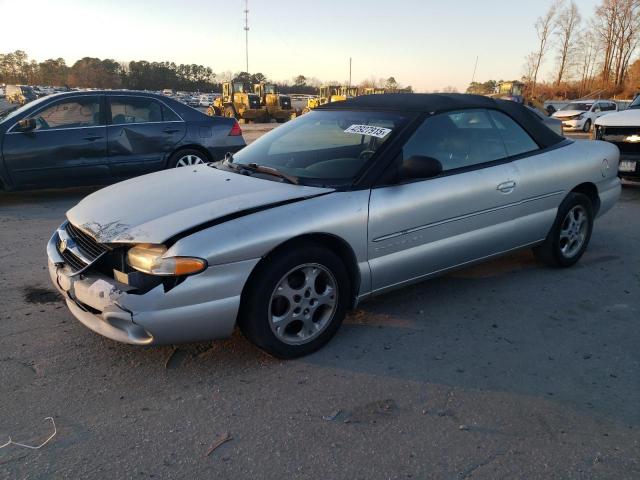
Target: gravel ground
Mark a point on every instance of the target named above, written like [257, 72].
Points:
[503, 370]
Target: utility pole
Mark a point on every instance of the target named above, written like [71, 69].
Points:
[349, 72]
[473, 77]
[246, 31]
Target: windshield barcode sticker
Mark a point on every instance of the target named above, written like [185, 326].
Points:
[378, 132]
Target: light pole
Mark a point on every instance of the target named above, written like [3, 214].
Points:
[246, 32]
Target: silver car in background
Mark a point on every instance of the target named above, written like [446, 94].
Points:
[349, 201]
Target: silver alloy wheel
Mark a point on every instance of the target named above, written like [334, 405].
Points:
[189, 160]
[573, 231]
[303, 304]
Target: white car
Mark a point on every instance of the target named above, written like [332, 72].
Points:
[623, 130]
[582, 115]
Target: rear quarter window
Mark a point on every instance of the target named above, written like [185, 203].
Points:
[516, 140]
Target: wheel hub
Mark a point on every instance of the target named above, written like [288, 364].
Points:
[303, 304]
[189, 160]
[573, 231]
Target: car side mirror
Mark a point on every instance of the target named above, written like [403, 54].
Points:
[420, 167]
[27, 124]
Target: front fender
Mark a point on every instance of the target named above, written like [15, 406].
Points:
[341, 214]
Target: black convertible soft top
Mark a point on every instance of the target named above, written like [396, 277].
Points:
[438, 103]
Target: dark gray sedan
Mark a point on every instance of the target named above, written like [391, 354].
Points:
[99, 137]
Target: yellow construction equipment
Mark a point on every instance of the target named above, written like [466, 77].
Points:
[373, 91]
[329, 94]
[278, 106]
[238, 101]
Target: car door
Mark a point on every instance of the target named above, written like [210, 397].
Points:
[419, 228]
[68, 145]
[142, 132]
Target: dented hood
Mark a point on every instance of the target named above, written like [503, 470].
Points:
[153, 208]
[567, 113]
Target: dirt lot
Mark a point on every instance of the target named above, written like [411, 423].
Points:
[504, 370]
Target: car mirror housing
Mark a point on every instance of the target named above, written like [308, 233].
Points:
[420, 167]
[26, 124]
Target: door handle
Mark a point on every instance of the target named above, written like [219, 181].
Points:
[171, 130]
[92, 138]
[506, 187]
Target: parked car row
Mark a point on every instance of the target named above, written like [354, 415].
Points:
[98, 137]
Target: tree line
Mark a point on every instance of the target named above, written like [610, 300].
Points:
[592, 55]
[16, 68]
[90, 72]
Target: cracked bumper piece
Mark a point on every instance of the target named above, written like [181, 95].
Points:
[202, 307]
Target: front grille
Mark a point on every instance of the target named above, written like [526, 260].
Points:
[78, 249]
[254, 102]
[620, 131]
[86, 242]
[285, 103]
[628, 148]
[70, 259]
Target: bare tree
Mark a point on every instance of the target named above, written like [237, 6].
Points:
[529, 68]
[626, 39]
[587, 54]
[545, 27]
[568, 24]
[617, 23]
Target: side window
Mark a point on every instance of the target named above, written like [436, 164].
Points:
[516, 139]
[134, 110]
[457, 140]
[71, 113]
[168, 115]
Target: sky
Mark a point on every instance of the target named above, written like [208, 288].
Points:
[428, 44]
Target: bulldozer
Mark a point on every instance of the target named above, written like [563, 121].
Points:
[329, 94]
[238, 101]
[278, 106]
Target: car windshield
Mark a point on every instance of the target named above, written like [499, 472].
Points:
[323, 147]
[582, 107]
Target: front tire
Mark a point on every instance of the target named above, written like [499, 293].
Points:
[587, 126]
[230, 112]
[570, 234]
[295, 301]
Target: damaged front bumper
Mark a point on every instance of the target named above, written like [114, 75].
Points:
[202, 307]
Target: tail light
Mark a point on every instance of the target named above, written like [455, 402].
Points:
[236, 131]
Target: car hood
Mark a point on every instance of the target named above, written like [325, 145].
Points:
[567, 113]
[627, 118]
[155, 207]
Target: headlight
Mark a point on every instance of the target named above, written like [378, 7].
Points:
[148, 258]
[579, 117]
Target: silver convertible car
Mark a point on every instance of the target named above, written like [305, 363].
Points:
[350, 200]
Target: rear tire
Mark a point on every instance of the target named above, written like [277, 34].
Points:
[295, 301]
[187, 157]
[570, 234]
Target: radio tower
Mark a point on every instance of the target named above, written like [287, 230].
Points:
[246, 31]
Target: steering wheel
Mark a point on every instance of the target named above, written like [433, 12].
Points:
[364, 153]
